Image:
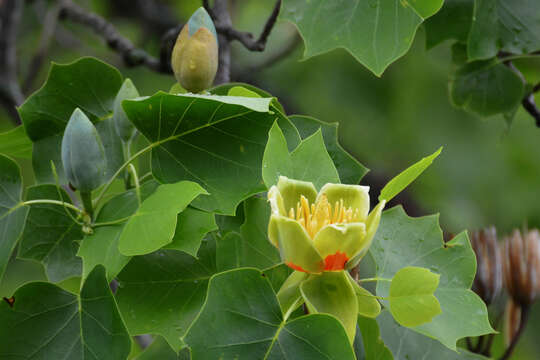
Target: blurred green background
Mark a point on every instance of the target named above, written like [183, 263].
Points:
[488, 173]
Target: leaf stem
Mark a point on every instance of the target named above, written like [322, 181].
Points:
[133, 172]
[113, 222]
[86, 197]
[54, 202]
[374, 279]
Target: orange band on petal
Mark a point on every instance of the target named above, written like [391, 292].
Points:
[335, 262]
[296, 267]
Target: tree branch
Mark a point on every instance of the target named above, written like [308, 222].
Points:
[131, 55]
[10, 91]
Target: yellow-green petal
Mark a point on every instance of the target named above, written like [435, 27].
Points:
[368, 305]
[345, 238]
[372, 224]
[295, 246]
[292, 190]
[332, 293]
[354, 196]
[289, 295]
[276, 201]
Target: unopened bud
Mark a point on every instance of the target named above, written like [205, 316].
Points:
[195, 54]
[488, 280]
[522, 266]
[83, 155]
[124, 128]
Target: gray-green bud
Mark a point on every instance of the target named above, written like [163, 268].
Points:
[124, 128]
[83, 155]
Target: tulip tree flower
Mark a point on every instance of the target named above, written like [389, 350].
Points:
[318, 235]
[318, 232]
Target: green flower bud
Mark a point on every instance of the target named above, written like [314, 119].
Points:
[195, 54]
[321, 232]
[83, 155]
[124, 128]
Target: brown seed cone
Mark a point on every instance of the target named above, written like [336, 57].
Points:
[522, 266]
[488, 280]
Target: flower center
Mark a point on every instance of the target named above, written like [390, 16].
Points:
[314, 217]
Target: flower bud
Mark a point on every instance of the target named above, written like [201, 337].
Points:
[124, 128]
[83, 155]
[522, 266]
[488, 280]
[195, 54]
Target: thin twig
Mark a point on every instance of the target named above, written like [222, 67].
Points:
[10, 91]
[522, 324]
[131, 55]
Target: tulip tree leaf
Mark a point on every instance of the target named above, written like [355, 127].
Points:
[403, 241]
[308, 162]
[162, 293]
[243, 302]
[411, 299]
[87, 83]
[498, 25]
[406, 344]
[217, 141]
[16, 143]
[154, 223]
[101, 247]
[249, 246]
[486, 88]
[375, 32]
[453, 21]
[12, 213]
[191, 227]
[372, 345]
[64, 326]
[407, 176]
[224, 89]
[349, 169]
[50, 235]
[332, 293]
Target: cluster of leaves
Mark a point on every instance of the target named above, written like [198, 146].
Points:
[487, 35]
[183, 235]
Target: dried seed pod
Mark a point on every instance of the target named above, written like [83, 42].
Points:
[488, 280]
[522, 266]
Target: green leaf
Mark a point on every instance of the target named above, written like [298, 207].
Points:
[403, 241]
[375, 32]
[86, 83]
[406, 344]
[411, 299]
[453, 21]
[162, 293]
[373, 346]
[50, 235]
[205, 138]
[368, 305]
[332, 293]
[224, 89]
[12, 213]
[158, 350]
[154, 223]
[308, 162]
[16, 143]
[44, 152]
[486, 88]
[101, 247]
[350, 171]
[407, 176]
[191, 227]
[242, 91]
[242, 301]
[59, 327]
[112, 145]
[501, 25]
[249, 247]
